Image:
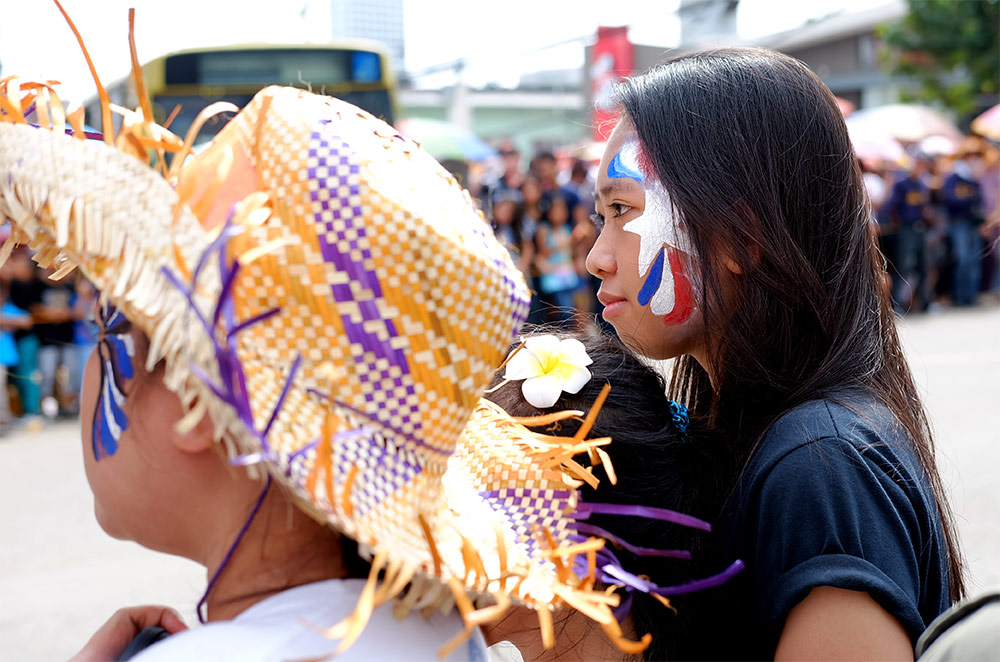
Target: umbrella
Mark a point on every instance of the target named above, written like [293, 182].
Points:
[938, 146]
[444, 140]
[908, 123]
[871, 143]
[988, 123]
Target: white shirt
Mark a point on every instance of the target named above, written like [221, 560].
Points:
[278, 629]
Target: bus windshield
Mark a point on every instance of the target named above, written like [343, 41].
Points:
[182, 84]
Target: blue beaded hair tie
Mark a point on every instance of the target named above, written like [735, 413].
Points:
[679, 415]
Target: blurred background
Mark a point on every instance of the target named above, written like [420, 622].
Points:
[511, 98]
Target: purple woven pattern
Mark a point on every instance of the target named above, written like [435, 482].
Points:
[382, 467]
[523, 507]
[335, 190]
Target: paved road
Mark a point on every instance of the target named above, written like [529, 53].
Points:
[61, 576]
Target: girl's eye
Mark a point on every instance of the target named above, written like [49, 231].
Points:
[619, 209]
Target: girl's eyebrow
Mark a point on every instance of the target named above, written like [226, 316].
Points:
[615, 186]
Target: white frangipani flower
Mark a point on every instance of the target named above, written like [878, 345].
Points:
[549, 366]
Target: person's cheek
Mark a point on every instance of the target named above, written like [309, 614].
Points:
[684, 297]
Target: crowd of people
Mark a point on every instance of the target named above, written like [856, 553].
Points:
[937, 215]
[939, 224]
[542, 215]
[46, 334]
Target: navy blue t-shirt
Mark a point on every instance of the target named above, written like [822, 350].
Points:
[835, 496]
[907, 200]
[962, 199]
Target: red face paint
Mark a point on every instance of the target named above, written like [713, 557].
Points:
[645, 163]
[683, 294]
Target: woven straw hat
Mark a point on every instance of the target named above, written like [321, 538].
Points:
[329, 297]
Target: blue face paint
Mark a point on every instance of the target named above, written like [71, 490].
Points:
[115, 349]
[626, 167]
[653, 279]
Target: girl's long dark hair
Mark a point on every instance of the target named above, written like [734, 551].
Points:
[755, 155]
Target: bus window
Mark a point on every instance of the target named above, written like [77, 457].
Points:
[357, 72]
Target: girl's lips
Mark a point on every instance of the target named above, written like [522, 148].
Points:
[612, 306]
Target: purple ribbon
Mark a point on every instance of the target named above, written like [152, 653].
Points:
[701, 584]
[590, 529]
[585, 510]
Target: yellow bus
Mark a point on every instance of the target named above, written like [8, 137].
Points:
[182, 83]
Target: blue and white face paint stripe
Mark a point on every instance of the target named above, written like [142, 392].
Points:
[625, 163]
[658, 230]
[116, 349]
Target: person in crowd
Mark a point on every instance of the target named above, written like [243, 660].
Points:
[547, 170]
[736, 240]
[874, 174]
[908, 213]
[26, 376]
[989, 179]
[54, 315]
[962, 203]
[509, 180]
[508, 227]
[12, 319]
[582, 186]
[580, 181]
[533, 210]
[557, 279]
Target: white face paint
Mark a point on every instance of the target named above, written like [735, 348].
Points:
[658, 228]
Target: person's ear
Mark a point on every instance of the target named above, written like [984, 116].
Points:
[195, 432]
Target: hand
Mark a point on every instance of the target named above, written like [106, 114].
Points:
[110, 640]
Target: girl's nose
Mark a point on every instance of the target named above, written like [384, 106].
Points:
[601, 259]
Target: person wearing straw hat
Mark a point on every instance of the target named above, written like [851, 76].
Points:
[295, 329]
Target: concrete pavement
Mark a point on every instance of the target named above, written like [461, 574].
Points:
[61, 576]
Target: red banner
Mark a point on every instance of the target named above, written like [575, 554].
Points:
[612, 60]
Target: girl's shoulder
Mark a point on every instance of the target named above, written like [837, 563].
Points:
[853, 419]
[839, 444]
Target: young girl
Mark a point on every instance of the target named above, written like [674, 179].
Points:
[660, 461]
[736, 239]
[558, 278]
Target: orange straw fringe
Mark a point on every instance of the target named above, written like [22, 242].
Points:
[106, 127]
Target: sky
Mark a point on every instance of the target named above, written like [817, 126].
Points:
[499, 40]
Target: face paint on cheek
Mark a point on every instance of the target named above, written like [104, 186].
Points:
[666, 289]
[683, 292]
[115, 350]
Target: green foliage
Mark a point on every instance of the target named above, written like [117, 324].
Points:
[951, 46]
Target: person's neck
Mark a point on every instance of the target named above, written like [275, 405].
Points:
[282, 548]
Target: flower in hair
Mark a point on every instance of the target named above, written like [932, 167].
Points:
[549, 366]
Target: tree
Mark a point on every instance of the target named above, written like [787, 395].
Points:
[952, 47]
